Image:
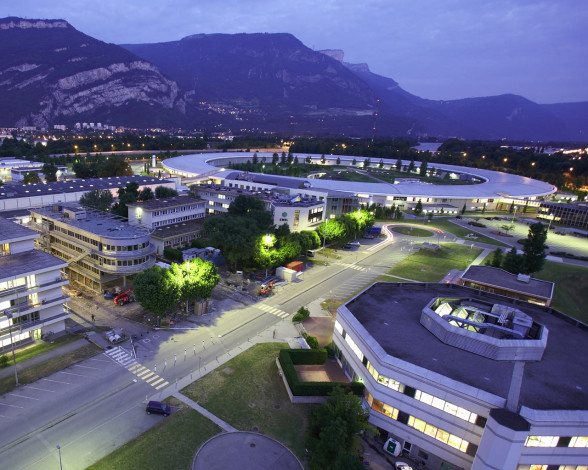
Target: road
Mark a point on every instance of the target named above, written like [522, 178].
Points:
[94, 407]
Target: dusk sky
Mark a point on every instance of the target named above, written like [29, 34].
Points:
[437, 49]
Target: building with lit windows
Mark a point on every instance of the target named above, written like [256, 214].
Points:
[100, 248]
[31, 297]
[574, 214]
[467, 379]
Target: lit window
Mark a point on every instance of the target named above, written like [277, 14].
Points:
[542, 441]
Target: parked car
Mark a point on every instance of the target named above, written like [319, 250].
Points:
[368, 235]
[402, 466]
[158, 408]
[354, 243]
[348, 247]
[458, 217]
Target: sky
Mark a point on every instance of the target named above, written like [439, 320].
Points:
[436, 49]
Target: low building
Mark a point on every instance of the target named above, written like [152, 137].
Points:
[499, 281]
[31, 296]
[467, 379]
[574, 214]
[100, 248]
[18, 174]
[176, 235]
[158, 212]
[299, 213]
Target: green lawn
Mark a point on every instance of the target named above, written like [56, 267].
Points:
[461, 232]
[431, 266]
[348, 176]
[248, 393]
[42, 347]
[169, 445]
[413, 231]
[571, 288]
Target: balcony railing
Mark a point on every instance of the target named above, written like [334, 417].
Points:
[19, 309]
[29, 325]
[28, 289]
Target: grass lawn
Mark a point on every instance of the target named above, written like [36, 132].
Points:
[169, 445]
[413, 231]
[571, 288]
[46, 368]
[348, 176]
[431, 266]
[459, 231]
[248, 393]
[42, 347]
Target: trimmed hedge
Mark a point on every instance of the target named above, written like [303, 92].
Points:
[290, 357]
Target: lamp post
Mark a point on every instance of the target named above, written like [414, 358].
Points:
[59, 450]
[9, 316]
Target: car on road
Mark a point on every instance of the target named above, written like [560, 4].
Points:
[458, 217]
[158, 408]
[402, 466]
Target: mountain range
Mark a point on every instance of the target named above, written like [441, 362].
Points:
[50, 73]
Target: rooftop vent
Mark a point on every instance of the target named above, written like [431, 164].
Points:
[524, 278]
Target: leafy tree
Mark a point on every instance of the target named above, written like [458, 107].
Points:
[534, 248]
[338, 160]
[173, 254]
[354, 162]
[50, 172]
[301, 314]
[312, 341]
[291, 159]
[333, 230]
[418, 209]
[511, 208]
[381, 164]
[366, 163]
[194, 192]
[497, 258]
[411, 166]
[398, 214]
[513, 262]
[234, 236]
[423, 169]
[196, 278]
[156, 290]
[398, 164]
[146, 194]
[31, 178]
[463, 209]
[323, 159]
[100, 199]
[255, 159]
[163, 192]
[126, 195]
[296, 162]
[334, 432]
[309, 159]
[275, 158]
[507, 228]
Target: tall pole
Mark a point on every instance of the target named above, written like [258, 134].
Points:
[325, 235]
[59, 450]
[9, 315]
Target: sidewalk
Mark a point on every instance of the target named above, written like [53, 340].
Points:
[9, 370]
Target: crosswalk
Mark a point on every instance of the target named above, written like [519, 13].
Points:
[125, 359]
[273, 310]
[352, 266]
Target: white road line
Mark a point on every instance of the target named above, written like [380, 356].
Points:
[41, 389]
[153, 384]
[86, 367]
[165, 384]
[24, 396]
[71, 373]
[57, 381]
[11, 406]
[145, 375]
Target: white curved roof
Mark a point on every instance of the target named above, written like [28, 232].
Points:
[497, 184]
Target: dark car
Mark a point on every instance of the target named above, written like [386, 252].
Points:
[158, 408]
[348, 247]
[458, 216]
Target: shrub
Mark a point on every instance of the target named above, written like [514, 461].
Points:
[3, 361]
[172, 254]
[312, 341]
[302, 314]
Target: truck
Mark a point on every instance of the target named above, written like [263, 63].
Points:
[267, 285]
[124, 297]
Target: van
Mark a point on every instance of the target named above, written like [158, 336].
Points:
[158, 408]
[310, 253]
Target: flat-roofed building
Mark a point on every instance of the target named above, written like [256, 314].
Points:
[100, 248]
[31, 297]
[158, 212]
[516, 286]
[176, 235]
[574, 214]
[467, 379]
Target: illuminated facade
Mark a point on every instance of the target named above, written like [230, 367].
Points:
[31, 297]
[465, 379]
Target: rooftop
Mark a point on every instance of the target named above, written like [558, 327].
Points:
[390, 313]
[164, 203]
[500, 278]
[59, 187]
[27, 262]
[12, 231]
[92, 221]
[181, 228]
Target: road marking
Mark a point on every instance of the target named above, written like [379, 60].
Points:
[86, 367]
[57, 381]
[41, 389]
[11, 406]
[24, 396]
[125, 359]
[71, 373]
[273, 310]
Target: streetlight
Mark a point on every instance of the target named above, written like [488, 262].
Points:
[59, 450]
[9, 316]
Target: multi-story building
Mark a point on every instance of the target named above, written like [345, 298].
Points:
[574, 214]
[100, 248]
[175, 221]
[462, 378]
[31, 297]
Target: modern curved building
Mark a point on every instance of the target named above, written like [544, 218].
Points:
[483, 189]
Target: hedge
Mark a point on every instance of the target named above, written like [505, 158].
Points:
[290, 357]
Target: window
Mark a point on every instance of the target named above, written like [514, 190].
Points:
[578, 441]
[541, 441]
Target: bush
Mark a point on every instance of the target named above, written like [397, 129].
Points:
[302, 314]
[476, 224]
[3, 361]
[172, 254]
[312, 341]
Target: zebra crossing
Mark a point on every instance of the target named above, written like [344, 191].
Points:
[273, 310]
[353, 266]
[125, 359]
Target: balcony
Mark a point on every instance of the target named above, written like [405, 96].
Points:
[31, 325]
[27, 290]
[28, 306]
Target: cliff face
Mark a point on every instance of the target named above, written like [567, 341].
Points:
[52, 73]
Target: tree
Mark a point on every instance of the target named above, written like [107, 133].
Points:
[331, 230]
[309, 159]
[423, 169]
[338, 160]
[126, 195]
[323, 159]
[334, 432]
[463, 209]
[156, 290]
[534, 248]
[381, 164]
[146, 194]
[399, 164]
[100, 199]
[255, 159]
[164, 191]
[275, 158]
[411, 166]
[418, 209]
[497, 258]
[50, 172]
[31, 178]
[196, 279]
[513, 262]
[366, 163]
[354, 162]
[507, 228]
